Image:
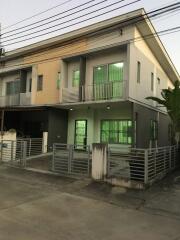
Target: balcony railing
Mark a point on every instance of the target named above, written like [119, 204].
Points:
[15, 100]
[104, 91]
[96, 92]
[70, 95]
[25, 98]
[10, 100]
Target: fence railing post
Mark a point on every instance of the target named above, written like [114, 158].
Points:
[70, 158]
[1, 150]
[170, 158]
[164, 158]
[146, 166]
[12, 151]
[53, 158]
[29, 152]
[24, 154]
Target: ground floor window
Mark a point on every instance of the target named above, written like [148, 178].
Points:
[80, 133]
[154, 130]
[116, 131]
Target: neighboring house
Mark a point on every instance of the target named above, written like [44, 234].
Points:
[89, 85]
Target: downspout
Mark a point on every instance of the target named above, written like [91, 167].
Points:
[2, 132]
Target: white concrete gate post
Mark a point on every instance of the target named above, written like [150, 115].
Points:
[99, 161]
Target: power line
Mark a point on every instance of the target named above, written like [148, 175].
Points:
[45, 19]
[73, 24]
[136, 39]
[155, 13]
[15, 34]
[35, 15]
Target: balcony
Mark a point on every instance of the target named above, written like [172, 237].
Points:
[25, 98]
[20, 99]
[96, 92]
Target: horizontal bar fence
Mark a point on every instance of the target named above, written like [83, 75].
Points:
[34, 146]
[141, 165]
[13, 152]
[71, 159]
[138, 165]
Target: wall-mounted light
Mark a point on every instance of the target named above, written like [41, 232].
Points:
[108, 107]
[71, 109]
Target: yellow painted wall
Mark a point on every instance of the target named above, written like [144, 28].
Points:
[47, 63]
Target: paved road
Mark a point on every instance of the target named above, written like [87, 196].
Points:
[41, 207]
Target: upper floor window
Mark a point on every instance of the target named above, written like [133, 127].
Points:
[138, 72]
[116, 131]
[40, 83]
[108, 73]
[58, 82]
[158, 80]
[13, 87]
[30, 84]
[76, 78]
[154, 130]
[152, 81]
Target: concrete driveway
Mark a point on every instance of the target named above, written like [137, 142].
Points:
[42, 207]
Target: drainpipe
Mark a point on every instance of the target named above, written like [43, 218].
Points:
[82, 78]
[2, 132]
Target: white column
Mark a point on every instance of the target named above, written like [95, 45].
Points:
[45, 142]
[99, 161]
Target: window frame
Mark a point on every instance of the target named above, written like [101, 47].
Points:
[40, 87]
[58, 81]
[128, 131]
[152, 81]
[155, 130]
[107, 72]
[75, 70]
[13, 82]
[138, 72]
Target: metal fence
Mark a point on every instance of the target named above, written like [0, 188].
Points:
[34, 146]
[68, 160]
[141, 165]
[13, 152]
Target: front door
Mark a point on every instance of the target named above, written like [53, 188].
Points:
[80, 134]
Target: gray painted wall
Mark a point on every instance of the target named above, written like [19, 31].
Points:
[57, 126]
[144, 116]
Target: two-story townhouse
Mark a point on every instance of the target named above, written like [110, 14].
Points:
[90, 85]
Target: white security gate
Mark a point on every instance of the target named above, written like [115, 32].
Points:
[68, 160]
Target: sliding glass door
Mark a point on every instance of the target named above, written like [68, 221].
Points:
[108, 81]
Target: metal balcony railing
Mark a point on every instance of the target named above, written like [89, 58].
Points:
[15, 100]
[10, 100]
[25, 98]
[95, 92]
[104, 91]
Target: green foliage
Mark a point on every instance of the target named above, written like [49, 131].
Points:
[171, 100]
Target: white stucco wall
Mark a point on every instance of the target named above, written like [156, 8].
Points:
[114, 37]
[139, 51]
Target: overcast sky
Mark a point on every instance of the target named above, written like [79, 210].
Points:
[12, 11]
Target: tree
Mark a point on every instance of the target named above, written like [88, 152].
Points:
[171, 100]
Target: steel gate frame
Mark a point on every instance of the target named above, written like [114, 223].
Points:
[69, 161]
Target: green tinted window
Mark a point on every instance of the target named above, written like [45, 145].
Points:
[100, 74]
[115, 72]
[76, 78]
[12, 87]
[116, 131]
